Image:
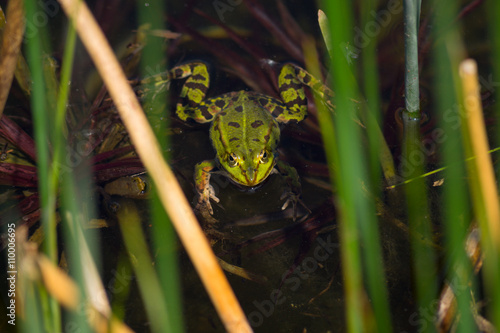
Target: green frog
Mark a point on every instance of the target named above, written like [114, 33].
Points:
[245, 130]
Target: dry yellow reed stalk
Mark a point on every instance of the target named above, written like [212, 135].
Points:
[480, 148]
[11, 46]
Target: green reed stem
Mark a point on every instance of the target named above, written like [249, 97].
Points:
[75, 211]
[493, 8]
[411, 9]
[339, 16]
[47, 192]
[164, 236]
[371, 92]
[357, 222]
[372, 252]
[447, 54]
[65, 80]
[371, 116]
[36, 322]
[147, 279]
[414, 159]
[42, 135]
[74, 214]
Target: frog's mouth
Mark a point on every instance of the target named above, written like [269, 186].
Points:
[244, 187]
[248, 186]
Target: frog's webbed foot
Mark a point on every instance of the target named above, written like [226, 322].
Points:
[292, 191]
[204, 197]
[295, 200]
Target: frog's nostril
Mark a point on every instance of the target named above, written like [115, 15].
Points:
[251, 172]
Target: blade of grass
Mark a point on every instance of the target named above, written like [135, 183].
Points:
[447, 54]
[148, 149]
[59, 133]
[456, 165]
[46, 190]
[377, 153]
[73, 215]
[74, 209]
[147, 278]
[483, 185]
[64, 82]
[356, 211]
[371, 92]
[494, 30]
[340, 19]
[367, 223]
[163, 233]
[121, 287]
[375, 133]
[41, 134]
[324, 25]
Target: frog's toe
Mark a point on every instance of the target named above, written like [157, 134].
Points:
[289, 199]
[294, 200]
[204, 200]
[204, 205]
[211, 194]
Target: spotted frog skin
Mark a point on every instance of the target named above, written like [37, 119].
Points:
[245, 129]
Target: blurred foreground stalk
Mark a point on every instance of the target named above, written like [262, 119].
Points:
[47, 184]
[163, 234]
[349, 168]
[447, 53]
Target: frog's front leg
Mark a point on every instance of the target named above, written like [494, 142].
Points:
[292, 187]
[203, 188]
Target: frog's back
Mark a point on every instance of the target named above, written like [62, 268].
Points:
[244, 126]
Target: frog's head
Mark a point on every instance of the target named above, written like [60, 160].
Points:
[248, 168]
[245, 142]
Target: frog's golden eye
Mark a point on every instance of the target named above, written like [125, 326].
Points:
[264, 156]
[232, 160]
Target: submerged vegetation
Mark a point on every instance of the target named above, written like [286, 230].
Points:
[396, 224]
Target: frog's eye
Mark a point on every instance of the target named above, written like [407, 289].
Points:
[264, 156]
[232, 160]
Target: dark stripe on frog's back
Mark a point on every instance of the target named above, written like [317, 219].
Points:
[255, 123]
